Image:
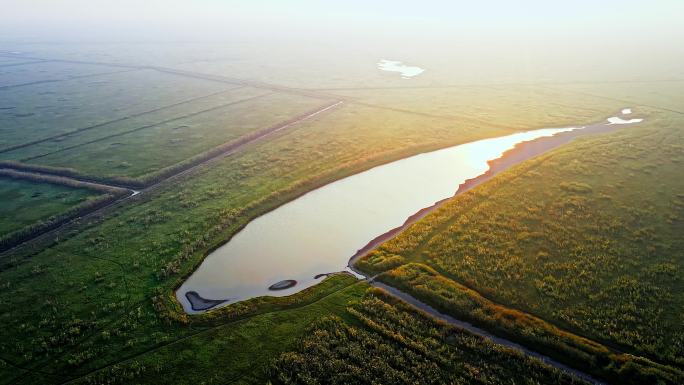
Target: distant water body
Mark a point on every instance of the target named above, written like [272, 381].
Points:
[407, 72]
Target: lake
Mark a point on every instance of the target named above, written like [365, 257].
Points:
[318, 232]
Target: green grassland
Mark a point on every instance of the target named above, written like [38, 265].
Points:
[388, 342]
[62, 304]
[236, 346]
[453, 298]
[97, 306]
[157, 146]
[132, 122]
[588, 237]
[24, 202]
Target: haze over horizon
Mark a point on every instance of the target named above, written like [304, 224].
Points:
[611, 40]
[158, 18]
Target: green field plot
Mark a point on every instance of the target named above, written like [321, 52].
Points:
[166, 114]
[587, 237]
[24, 202]
[154, 147]
[45, 110]
[142, 343]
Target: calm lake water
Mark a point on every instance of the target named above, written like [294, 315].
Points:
[318, 232]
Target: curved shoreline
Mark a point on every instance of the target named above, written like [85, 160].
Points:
[519, 153]
[516, 153]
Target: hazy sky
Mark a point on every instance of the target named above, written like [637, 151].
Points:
[586, 38]
[197, 19]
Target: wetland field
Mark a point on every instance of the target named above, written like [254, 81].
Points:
[455, 200]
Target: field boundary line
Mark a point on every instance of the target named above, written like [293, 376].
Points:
[152, 125]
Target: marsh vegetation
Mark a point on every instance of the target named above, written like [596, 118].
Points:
[576, 253]
[384, 340]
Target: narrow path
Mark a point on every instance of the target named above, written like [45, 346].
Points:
[448, 118]
[248, 83]
[626, 102]
[481, 332]
[102, 188]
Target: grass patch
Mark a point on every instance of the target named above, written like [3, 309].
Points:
[388, 342]
[24, 202]
[155, 147]
[452, 298]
